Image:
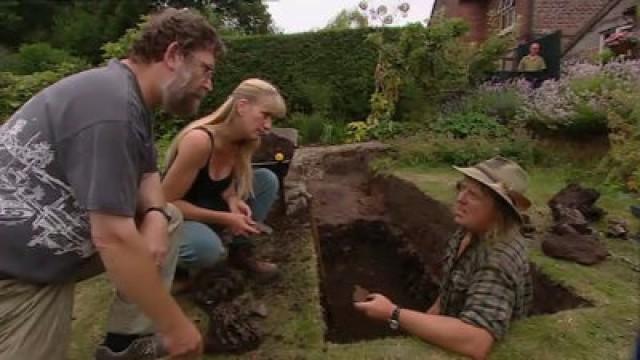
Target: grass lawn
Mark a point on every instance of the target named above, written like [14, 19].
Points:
[295, 327]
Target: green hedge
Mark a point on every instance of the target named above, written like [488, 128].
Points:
[329, 71]
[15, 90]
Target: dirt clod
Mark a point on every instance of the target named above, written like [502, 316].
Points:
[217, 286]
[232, 330]
[360, 294]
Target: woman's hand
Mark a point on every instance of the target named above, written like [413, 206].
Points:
[376, 307]
[240, 224]
[237, 206]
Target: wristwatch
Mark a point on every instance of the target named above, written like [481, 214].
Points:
[160, 210]
[394, 321]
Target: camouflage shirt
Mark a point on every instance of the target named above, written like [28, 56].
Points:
[489, 284]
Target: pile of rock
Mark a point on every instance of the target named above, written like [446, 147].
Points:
[233, 320]
[571, 237]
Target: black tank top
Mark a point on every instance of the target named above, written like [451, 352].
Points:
[206, 192]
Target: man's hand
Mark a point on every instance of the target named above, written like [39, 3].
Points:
[183, 342]
[155, 232]
[376, 307]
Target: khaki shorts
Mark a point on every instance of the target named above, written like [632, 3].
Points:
[35, 320]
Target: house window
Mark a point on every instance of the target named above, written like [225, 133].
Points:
[507, 14]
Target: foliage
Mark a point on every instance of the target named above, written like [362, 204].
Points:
[119, 48]
[37, 57]
[15, 90]
[432, 149]
[311, 128]
[329, 72]
[497, 101]
[429, 62]
[333, 133]
[81, 26]
[465, 124]
[606, 55]
[358, 131]
[622, 165]
[348, 19]
[316, 72]
[577, 103]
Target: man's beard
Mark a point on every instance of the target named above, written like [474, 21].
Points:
[178, 97]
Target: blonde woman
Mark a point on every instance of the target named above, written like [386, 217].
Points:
[486, 283]
[210, 179]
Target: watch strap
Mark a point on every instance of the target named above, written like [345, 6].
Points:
[160, 210]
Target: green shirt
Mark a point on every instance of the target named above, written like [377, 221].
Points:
[532, 63]
[489, 285]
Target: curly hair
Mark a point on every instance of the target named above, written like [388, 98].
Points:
[188, 28]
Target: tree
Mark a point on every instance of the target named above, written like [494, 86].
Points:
[348, 19]
[248, 17]
[80, 27]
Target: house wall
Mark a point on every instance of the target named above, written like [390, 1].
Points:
[568, 16]
[589, 45]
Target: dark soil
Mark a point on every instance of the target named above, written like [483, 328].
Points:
[217, 286]
[549, 297]
[233, 329]
[366, 254]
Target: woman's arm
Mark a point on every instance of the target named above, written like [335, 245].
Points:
[444, 331]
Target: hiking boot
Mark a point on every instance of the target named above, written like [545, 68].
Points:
[144, 348]
[243, 257]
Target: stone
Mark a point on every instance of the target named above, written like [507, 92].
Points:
[579, 248]
[360, 294]
[617, 228]
[570, 221]
[575, 196]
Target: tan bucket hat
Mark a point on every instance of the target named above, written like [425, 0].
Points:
[505, 177]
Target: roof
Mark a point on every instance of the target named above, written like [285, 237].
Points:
[589, 25]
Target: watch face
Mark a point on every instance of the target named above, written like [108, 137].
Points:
[394, 324]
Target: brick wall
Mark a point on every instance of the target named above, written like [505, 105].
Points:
[568, 16]
[475, 13]
[536, 17]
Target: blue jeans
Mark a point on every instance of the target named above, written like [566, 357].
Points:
[202, 247]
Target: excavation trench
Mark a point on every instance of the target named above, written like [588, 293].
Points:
[383, 234]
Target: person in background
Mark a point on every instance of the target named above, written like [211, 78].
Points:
[532, 62]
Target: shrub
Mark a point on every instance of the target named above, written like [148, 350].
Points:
[433, 149]
[329, 72]
[465, 124]
[577, 103]
[37, 57]
[15, 90]
[310, 127]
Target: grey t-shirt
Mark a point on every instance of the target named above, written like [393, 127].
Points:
[82, 144]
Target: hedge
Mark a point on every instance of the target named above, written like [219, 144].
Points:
[330, 71]
[327, 71]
